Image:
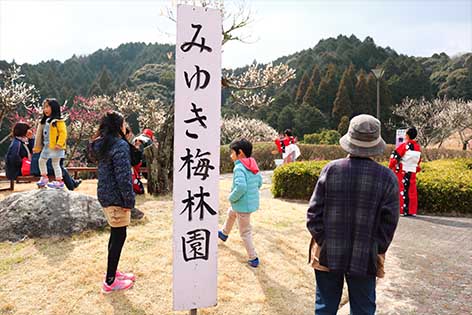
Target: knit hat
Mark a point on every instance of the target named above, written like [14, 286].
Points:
[149, 133]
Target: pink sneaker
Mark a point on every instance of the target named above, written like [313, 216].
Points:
[125, 276]
[42, 182]
[117, 285]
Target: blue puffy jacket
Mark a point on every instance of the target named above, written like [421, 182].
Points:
[247, 180]
[15, 154]
[115, 187]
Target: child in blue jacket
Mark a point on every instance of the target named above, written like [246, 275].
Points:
[244, 196]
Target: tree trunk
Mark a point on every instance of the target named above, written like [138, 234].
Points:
[464, 140]
[160, 160]
[440, 143]
[151, 154]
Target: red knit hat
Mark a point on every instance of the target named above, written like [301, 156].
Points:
[149, 133]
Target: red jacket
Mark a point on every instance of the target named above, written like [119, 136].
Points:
[281, 144]
[399, 152]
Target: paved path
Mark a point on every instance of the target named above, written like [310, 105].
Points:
[429, 266]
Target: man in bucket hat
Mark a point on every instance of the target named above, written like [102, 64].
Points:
[352, 216]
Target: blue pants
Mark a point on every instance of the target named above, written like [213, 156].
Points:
[329, 289]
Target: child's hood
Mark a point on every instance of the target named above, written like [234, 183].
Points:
[250, 164]
[51, 120]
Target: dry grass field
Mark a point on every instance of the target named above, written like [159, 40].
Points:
[64, 275]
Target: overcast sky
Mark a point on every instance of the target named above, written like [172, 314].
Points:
[33, 31]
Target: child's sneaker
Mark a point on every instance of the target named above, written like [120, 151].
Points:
[253, 262]
[117, 285]
[222, 236]
[42, 182]
[56, 184]
[125, 276]
[77, 183]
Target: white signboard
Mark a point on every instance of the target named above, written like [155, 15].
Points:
[196, 156]
[400, 138]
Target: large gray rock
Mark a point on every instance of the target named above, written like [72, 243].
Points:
[42, 213]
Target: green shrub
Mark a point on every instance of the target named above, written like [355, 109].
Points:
[262, 152]
[296, 180]
[311, 152]
[323, 137]
[444, 186]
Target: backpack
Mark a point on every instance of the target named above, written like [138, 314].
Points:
[138, 186]
[136, 155]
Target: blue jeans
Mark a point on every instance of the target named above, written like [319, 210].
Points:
[329, 289]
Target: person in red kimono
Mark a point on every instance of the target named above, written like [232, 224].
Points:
[287, 147]
[405, 162]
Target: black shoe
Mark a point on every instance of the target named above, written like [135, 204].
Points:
[77, 182]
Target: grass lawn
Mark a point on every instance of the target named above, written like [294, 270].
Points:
[64, 275]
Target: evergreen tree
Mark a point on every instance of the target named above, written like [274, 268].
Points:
[361, 95]
[316, 76]
[302, 87]
[105, 81]
[372, 95]
[273, 120]
[285, 119]
[280, 101]
[351, 80]
[312, 90]
[390, 68]
[327, 90]
[342, 105]
[343, 125]
[308, 119]
[95, 89]
[386, 101]
[413, 81]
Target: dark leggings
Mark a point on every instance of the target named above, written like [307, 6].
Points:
[115, 244]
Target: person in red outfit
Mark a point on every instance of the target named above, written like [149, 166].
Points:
[287, 147]
[405, 162]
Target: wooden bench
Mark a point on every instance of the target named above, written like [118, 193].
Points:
[19, 179]
[31, 178]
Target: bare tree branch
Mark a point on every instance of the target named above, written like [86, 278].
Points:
[437, 119]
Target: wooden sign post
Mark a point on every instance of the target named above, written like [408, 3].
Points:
[196, 157]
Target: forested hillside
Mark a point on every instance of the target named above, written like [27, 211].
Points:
[333, 80]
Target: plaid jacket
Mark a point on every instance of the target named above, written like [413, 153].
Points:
[353, 214]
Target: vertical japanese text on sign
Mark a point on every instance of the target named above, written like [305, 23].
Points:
[196, 157]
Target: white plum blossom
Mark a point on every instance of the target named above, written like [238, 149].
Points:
[252, 129]
[14, 93]
[437, 119]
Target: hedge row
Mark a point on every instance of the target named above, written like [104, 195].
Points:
[296, 180]
[262, 152]
[444, 186]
